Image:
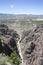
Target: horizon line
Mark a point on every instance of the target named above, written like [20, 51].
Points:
[20, 14]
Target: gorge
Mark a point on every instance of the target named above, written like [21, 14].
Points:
[28, 45]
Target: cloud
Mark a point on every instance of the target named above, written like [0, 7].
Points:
[11, 6]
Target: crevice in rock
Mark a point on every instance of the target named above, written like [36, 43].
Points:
[30, 49]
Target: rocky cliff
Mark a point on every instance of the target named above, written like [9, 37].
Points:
[32, 46]
[8, 40]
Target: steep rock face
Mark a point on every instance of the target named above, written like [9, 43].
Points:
[32, 46]
[8, 40]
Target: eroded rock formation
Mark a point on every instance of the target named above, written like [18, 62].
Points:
[32, 46]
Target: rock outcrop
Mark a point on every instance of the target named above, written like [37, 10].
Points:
[32, 46]
[8, 40]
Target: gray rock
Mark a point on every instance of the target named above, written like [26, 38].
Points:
[33, 46]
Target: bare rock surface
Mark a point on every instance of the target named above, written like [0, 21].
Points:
[32, 46]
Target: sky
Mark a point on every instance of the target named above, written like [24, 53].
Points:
[21, 6]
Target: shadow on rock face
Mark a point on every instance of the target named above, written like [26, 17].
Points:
[30, 49]
[1, 48]
[6, 50]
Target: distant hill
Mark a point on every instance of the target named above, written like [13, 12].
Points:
[6, 16]
[19, 16]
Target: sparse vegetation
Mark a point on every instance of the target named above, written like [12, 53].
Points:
[14, 58]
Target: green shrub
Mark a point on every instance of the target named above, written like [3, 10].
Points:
[14, 58]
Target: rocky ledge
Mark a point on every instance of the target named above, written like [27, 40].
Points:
[8, 40]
